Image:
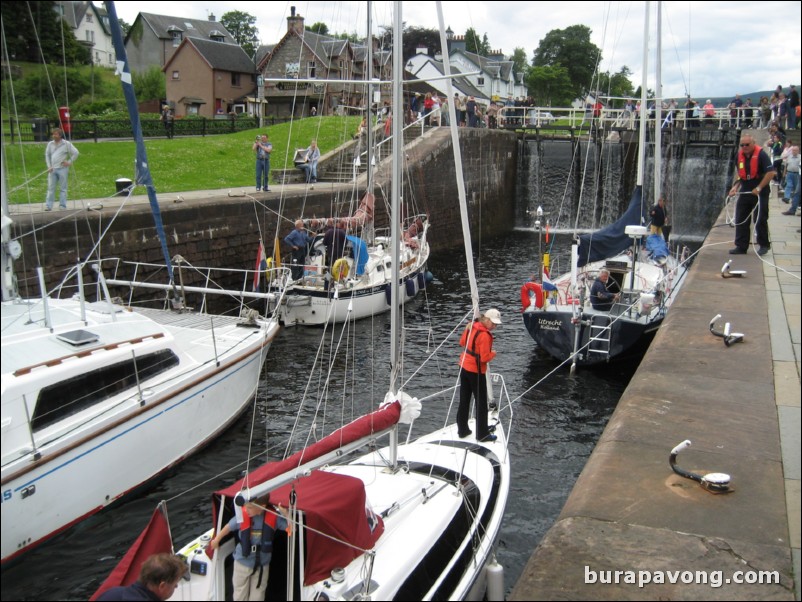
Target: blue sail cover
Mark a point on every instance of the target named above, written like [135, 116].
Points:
[612, 240]
[360, 249]
[656, 247]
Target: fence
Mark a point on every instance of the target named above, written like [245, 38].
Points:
[37, 129]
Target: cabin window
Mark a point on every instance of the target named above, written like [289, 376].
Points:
[76, 394]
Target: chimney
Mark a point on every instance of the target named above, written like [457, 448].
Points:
[211, 17]
[295, 22]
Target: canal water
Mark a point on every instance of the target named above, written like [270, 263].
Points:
[557, 420]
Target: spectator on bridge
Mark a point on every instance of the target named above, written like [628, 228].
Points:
[792, 181]
[710, 110]
[793, 108]
[782, 111]
[765, 112]
[735, 111]
[748, 113]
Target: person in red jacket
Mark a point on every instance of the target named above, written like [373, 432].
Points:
[477, 345]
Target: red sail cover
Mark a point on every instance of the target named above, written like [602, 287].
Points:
[155, 539]
[339, 510]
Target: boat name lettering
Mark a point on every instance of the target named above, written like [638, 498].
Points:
[549, 324]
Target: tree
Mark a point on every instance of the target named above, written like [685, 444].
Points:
[617, 84]
[318, 28]
[420, 36]
[150, 84]
[473, 44]
[241, 26]
[550, 86]
[124, 27]
[520, 64]
[35, 32]
[571, 49]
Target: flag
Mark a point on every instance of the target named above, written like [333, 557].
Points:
[548, 285]
[276, 253]
[261, 266]
[155, 539]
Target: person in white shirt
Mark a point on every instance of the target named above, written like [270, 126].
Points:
[60, 154]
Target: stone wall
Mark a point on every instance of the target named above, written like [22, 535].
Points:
[224, 231]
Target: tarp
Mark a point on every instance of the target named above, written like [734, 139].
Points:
[337, 511]
[360, 248]
[343, 518]
[155, 539]
[657, 247]
[612, 239]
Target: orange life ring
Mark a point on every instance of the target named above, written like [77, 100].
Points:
[339, 271]
[527, 290]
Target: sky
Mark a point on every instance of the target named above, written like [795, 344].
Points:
[710, 49]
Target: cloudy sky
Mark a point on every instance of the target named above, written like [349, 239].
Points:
[709, 48]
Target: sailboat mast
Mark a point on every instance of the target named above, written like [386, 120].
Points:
[644, 109]
[143, 176]
[463, 204]
[395, 204]
[658, 106]
[369, 102]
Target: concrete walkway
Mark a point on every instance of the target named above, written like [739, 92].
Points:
[739, 405]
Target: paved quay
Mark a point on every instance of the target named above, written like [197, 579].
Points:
[739, 406]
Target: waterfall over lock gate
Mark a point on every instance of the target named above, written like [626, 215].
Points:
[585, 185]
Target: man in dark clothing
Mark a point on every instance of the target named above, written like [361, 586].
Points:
[299, 240]
[755, 171]
[793, 103]
[601, 297]
[334, 239]
[658, 215]
[158, 579]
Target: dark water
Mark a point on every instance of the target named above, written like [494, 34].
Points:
[556, 423]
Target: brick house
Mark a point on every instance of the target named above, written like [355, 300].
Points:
[305, 55]
[208, 78]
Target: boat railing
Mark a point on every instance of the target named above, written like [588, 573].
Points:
[242, 286]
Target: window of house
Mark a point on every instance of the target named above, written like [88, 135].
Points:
[480, 81]
[311, 69]
[90, 36]
[176, 38]
[292, 70]
[235, 79]
[88, 18]
[175, 75]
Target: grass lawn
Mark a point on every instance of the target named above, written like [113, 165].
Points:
[177, 165]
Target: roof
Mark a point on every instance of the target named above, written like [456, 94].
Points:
[162, 25]
[325, 48]
[192, 100]
[220, 56]
[462, 84]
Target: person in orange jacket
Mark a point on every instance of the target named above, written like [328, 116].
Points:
[477, 345]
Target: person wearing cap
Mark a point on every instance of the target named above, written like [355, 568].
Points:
[477, 352]
[256, 528]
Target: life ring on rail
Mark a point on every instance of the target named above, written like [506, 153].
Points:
[339, 271]
[529, 290]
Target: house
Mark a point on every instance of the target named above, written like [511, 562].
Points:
[208, 78]
[312, 59]
[90, 25]
[496, 78]
[153, 39]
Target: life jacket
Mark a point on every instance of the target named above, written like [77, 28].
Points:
[747, 174]
[265, 545]
[470, 359]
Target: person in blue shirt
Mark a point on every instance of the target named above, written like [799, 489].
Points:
[252, 561]
[262, 148]
[299, 240]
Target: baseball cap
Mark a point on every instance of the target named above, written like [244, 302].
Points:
[493, 315]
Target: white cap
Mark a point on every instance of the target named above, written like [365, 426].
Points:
[493, 315]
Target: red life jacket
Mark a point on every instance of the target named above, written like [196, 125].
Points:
[743, 173]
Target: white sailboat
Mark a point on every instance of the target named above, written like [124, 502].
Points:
[559, 313]
[373, 519]
[99, 398]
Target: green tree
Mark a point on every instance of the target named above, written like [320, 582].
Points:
[571, 49]
[34, 32]
[550, 86]
[474, 44]
[150, 84]
[420, 36]
[520, 64]
[352, 37]
[241, 26]
[617, 84]
[125, 27]
[319, 28]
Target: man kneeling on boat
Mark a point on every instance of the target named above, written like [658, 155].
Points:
[601, 297]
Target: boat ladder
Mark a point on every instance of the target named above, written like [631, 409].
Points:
[599, 341]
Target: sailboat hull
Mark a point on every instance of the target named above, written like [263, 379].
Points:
[64, 461]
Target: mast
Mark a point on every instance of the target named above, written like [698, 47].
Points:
[143, 176]
[395, 226]
[644, 109]
[658, 108]
[463, 204]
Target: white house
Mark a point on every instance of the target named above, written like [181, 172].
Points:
[90, 24]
